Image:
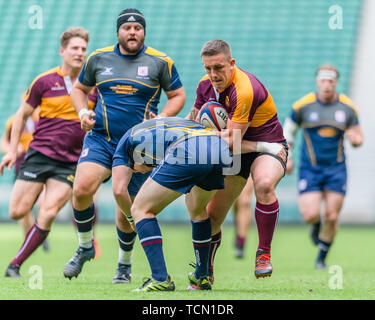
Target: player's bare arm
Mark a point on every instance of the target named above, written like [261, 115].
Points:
[79, 98]
[22, 114]
[354, 135]
[176, 101]
[121, 176]
[234, 133]
[290, 163]
[193, 114]
[290, 129]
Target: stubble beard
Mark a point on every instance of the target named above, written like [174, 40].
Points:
[124, 45]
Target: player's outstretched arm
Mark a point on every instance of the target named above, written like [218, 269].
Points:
[22, 114]
[121, 176]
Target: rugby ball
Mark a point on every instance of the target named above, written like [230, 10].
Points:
[213, 115]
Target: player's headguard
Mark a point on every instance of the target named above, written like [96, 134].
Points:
[131, 15]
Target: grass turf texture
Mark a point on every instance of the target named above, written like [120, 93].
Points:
[293, 256]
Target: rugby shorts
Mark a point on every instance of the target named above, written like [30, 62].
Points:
[197, 161]
[322, 177]
[39, 168]
[247, 160]
[97, 149]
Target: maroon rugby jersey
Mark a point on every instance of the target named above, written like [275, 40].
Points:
[246, 100]
[58, 134]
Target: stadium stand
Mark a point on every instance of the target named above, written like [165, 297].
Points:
[281, 42]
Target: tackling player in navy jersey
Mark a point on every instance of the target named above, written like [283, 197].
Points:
[129, 77]
[326, 117]
[185, 158]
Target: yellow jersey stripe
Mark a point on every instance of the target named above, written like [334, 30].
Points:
[105, 115]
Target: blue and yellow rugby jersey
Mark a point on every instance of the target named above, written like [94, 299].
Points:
[129, 87]
[323, 127]
[150, 140]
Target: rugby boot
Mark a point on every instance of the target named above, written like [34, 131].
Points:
[123, 274]
[74, 266]
[263, 266]
[13, 271]
[203, 283]
[151, 284]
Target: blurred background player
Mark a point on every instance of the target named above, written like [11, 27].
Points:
[252, 114]
[242, 218]
[25, 139]
[129, 77]
[326, 117]
[52, 156]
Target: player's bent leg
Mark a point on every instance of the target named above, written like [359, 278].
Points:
[150, 200]
[222, 201]
[126, 239]
[196, 201]
[24, 195]
[88, 178]
[26, 222]
[333, 204]
[57, 194]
[266, 172]
[217, 210]
[242, 215]
[309, 204]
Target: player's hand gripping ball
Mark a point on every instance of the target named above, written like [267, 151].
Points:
[213, 115]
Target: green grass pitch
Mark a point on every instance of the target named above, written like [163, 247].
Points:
[351, 275]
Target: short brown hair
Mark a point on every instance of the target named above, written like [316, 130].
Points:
[328, 66]
[214, 47]
[73, 32]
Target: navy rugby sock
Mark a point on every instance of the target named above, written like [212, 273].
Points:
[201, 235]
[126, 243]
[323, 249]
[84, 221]
[151, 240]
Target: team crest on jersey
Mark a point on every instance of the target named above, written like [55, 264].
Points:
[314, 116]
[340, 116]
[143, 71]
[227, 101]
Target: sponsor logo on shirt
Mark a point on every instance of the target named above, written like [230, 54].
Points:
[107, 71]
[125, 89]
[57, 87]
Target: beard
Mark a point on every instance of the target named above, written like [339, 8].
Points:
[133, 50]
